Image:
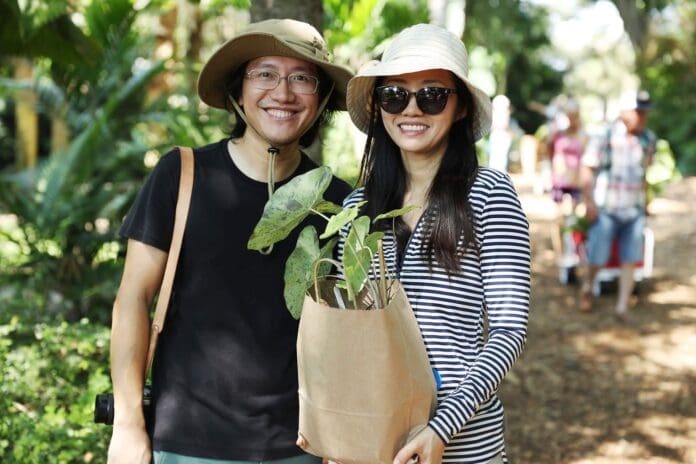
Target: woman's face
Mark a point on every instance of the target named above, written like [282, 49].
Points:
[416, 133]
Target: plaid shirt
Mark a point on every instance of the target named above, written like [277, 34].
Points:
[619, 159]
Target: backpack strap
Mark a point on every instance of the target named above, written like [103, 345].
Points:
[182, 207]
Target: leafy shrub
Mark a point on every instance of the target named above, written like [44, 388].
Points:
[49, 375]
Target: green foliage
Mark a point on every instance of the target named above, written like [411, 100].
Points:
[297, 272]
[38, 28]
[667, 71]
[339, 148]
[68, 209]
[514, 34]
[290, 205]
[49, 375]
[358, 27]
[662, 171]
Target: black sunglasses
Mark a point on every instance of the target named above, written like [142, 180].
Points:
[431, 100]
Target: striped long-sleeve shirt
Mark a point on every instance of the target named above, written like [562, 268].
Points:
[492, 287]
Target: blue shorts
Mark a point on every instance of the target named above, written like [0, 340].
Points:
[164, 457]
[606, 229]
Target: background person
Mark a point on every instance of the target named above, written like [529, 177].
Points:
[614, 189]
[565, 148]
[464, 258]
[225, 372]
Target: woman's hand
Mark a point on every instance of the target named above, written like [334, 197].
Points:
[427, 445]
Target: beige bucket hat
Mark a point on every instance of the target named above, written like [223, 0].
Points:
[272, 37]
[418, 48]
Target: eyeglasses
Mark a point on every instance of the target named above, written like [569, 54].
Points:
[431, 100]
[299, 83]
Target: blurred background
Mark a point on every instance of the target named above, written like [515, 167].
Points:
[93, 92]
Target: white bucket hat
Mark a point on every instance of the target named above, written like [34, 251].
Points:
[418, 48]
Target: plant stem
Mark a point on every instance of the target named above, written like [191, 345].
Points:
[382, 277]
[326, 218]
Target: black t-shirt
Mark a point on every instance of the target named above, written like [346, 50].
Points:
[225, 372]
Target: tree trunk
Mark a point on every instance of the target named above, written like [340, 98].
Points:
[60, 133]
[635, 21]
[27, 121]
[309, 11]
[165, 47]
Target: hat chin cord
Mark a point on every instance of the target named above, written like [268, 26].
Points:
[273, 150]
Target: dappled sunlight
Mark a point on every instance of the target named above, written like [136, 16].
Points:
[602, 391]
[672, 348]
[660, 206]
[670, 431]
[677, 294]
[667, 432]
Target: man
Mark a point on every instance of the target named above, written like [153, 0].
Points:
[225, 373]
[614, 189]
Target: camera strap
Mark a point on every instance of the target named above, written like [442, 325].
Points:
[183, 202]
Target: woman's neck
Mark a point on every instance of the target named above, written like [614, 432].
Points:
[420, 172]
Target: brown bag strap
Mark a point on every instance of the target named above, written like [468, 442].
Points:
[182, 207]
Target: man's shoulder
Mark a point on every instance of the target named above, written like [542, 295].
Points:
[649, 135]
[205, 151]
[339, 188]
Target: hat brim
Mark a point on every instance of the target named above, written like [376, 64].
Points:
[245, 47]
[361, 87]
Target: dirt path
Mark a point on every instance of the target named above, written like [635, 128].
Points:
[590, 390]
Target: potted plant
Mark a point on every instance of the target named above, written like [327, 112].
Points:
[365, 381]
[364, 282]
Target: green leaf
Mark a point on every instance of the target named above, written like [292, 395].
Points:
[341, 219]
[61, 165]
[326, 206]
[356, 267]
[396, 212]
[326, 253]
[289, 206]
[298, 269]
[372, 241]
[357, 257]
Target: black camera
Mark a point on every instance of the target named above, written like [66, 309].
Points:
[104, 406]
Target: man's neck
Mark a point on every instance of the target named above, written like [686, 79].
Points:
[252, 157]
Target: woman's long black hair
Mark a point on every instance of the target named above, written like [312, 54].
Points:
[449, 218]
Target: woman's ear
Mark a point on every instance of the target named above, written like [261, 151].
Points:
[461, 113]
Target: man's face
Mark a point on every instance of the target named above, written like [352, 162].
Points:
[280, 115]
[635, 120]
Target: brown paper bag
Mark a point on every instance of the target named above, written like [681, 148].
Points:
[365, 382]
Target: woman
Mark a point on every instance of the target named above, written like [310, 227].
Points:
[464, 257]
[565, 149]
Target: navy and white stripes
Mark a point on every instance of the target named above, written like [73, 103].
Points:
[452, 311]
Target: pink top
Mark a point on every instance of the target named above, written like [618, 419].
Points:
[566, 154]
